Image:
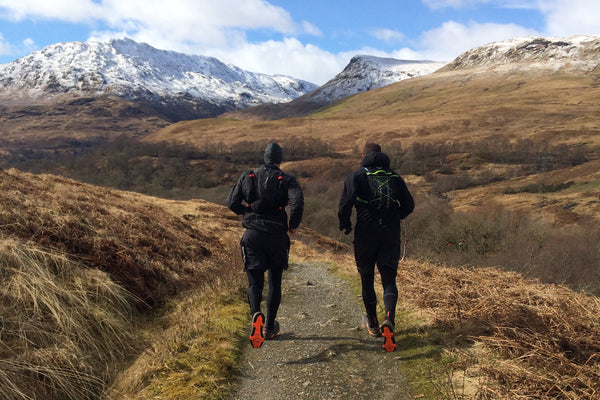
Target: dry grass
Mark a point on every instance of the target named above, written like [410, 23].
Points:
[85, 273]
[546, 338]
[65, 328]
[150, 252]
[449, 106]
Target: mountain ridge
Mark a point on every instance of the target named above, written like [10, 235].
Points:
[200, 86]
[363, 73]
[575, 52]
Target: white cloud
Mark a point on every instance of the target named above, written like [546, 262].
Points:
[287, 57]
[5, 47]
[64, 10]
[571, 17]
[451, 39]
[437, 4]
[29, 44]
[311, 29]
[387, 35]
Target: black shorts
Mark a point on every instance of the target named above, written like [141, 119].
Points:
[262, 251]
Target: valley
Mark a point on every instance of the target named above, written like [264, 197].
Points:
[501, 149]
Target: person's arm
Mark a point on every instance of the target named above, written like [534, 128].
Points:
[235, 198]
[407, 203]
[346, 203]
[296, 203]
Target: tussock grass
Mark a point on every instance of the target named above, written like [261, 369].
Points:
[65, 329]
[149, 251]
[90, 279]
[542, 341]
[193, 346]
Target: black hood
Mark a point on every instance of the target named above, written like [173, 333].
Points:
[376, 159]
[273, 154]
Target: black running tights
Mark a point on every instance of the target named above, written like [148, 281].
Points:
[390, 293]
[256, 283]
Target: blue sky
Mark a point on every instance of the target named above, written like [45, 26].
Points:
[307, 39]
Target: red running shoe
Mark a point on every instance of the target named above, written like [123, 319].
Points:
[373, 330]
[256, 334]
[389, 342]
[271, 334]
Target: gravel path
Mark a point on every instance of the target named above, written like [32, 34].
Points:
[321, 352]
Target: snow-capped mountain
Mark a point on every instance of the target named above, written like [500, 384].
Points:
[362, 73]
[134, 71]
[580, 53]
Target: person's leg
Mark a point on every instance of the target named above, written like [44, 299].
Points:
[365, 252]
[273, 297]
[276, 249]
[390, 292]
[387, 264]
[367, 281]
[256, 282]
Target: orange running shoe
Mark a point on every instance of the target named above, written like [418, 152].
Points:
[389, 342]
[256, 334]
[373, 330]
[271, 334]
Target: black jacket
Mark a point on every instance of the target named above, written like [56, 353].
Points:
[262, 195]
[356, 185]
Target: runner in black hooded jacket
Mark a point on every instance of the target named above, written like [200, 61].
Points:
[376, 235]
[262, 196]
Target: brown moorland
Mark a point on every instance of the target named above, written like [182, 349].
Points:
[98, 283]
[73, 322]
[527, 109]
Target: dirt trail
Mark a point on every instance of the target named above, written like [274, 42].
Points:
[321, 352]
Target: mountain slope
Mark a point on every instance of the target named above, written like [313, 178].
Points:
[362, 74]
[462, 101]
[581, 53]
[178, 85]
[453, 118]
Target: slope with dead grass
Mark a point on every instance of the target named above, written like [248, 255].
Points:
[540, 341]
[65, 328]
[150, 252]
[90, 278]
[444, 106]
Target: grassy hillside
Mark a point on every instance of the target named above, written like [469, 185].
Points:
[453, 131]
[90, 278]
[109, 294]
[523, 142]
[441, 107]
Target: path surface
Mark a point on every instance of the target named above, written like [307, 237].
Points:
[321, 352]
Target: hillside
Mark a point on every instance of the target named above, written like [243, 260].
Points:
[82, 268]
[199, 86]
[512, 125]
[98, 286]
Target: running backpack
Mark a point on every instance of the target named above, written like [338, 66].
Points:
[265, 191]
[381, 185]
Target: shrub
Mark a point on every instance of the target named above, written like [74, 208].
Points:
[494, 236]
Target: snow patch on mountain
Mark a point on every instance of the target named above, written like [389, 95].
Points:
[365, 72]
[137, 71]
[532, 52]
